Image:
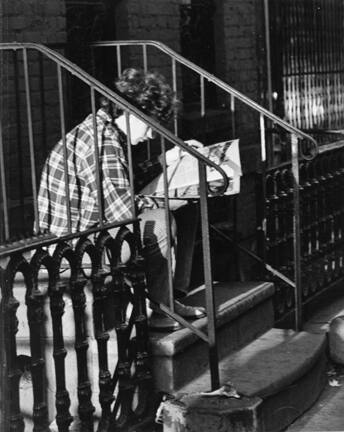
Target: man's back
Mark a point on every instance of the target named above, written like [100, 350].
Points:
[83, 191]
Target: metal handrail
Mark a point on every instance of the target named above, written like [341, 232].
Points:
[203, 162]
[297, 151]
[123, 103]
[218, 82]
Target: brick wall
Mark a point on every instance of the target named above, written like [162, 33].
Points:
[239, 38]
[149, 20]
[239, 41]
[39, 21]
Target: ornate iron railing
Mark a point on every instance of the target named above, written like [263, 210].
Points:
[115, 306]
[32, 112]
[321, 226]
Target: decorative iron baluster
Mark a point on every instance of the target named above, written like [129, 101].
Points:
[289, 220]
[322, 225]
[273, 234]
[14, 419]
[305, 197]
[143, 376]
[336, 212]
[35, 312]
[125, 385]
[331, 216]
[57, 305]
[282, 217]
[315, 243]
[78, 282]
[270, 225]
[101, 295]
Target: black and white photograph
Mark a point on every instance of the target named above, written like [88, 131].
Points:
[171, 215]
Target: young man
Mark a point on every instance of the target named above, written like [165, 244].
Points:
[151, 93]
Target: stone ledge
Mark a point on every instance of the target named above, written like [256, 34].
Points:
[194, 413]
[274, 390]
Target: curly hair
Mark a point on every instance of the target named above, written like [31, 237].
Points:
[149, 91]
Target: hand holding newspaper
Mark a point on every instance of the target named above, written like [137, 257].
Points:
[182, 174]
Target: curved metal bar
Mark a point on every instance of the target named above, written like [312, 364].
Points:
[218, 82]
[122, 103]
[123, 235]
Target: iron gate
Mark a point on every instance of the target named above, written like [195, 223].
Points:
[307, 69]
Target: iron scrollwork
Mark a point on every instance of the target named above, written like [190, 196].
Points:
[322, 210]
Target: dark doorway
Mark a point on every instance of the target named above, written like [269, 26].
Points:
[87, 21]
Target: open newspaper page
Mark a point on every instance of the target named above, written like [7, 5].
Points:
[183, 177]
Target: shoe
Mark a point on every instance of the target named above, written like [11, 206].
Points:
[178, 294]
[159, 322]
[189, 312]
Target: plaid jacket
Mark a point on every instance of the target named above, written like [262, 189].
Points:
[113, 168]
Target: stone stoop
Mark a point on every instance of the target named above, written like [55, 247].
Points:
[277, 376]
[244, 311]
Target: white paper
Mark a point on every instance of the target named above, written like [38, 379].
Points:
[183, 180]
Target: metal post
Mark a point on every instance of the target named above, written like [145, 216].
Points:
[174, 87]
[209, 292]
[232, 108]
[262, 138]
[145, 63]
[19, 146]
[130, 162]
[3, 360]
[296, 232]
[3, 183]
[96, 156]
[268, 54]
[202, 96]
[168, 225]
[119, 60]
[65, 154]
[43, 108]
[31, 143]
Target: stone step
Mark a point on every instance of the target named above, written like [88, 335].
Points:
[244, 311]
[278, 376]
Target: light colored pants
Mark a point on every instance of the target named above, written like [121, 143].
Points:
[154, 237]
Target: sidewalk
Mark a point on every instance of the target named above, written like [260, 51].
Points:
[327, 414]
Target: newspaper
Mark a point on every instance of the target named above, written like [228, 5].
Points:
[183, 176]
